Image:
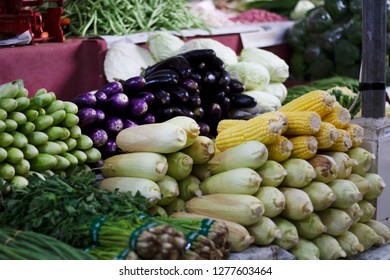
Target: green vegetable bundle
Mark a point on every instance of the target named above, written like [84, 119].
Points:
[38, 134]
[123, 17]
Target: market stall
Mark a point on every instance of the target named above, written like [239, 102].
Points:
[195, 150]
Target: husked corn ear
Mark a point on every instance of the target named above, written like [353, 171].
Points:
[356, 133]
[244, 209]
[343, 143]
[319, 101]
[302, 123]
[264, 128]
[304, 146]
[280, 150]
[327, 135]
[339, 116]
[227, 123]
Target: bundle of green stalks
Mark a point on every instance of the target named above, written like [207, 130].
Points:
[29, 245]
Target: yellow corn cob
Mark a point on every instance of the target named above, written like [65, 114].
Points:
[302, 123]
[280, 150]
[319, 101]
[227, 123]
[343, 143]
[304, 146]
[356, 132]
[264, 128]
[326, 136]
[339, 116]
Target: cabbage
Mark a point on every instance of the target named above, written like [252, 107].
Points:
[310, 227]
[277, 89]
[253, 75]
[350, 243]
[305, 250]
[278, 69]
[227, 54]
[163, 45]
[265, 102]
[125, 60]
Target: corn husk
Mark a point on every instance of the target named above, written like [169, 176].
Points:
[337, 221]
[349, 243]
[298, 205]
[346, 193]
[179, 165]
[290, 237]
[273, 200]
[368, 210]
[189, 125]
[264, 231]
[189, 187]
[157, 210]
[169, 189]
[299, 173]
[377, 186]
[344, 163]
[240, 208]
[202, 150]
[321, 196]
[272, 173]
[250, 154]
[363, 158]
[360, 182]
[380, 228]
[305, 250]
[366, 235]
[329, 248]
[325, 167]
[310, 227]
[354, 212]
[177, 205]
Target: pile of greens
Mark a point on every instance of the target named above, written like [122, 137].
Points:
[328, 41]
[123, 17]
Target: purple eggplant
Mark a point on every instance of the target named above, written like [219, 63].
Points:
[239, 100]
[128, 123]
[209, 78]
[162, 98]
[215, 64]
[148, 97]
[236, 86]
[225, 105]
[178, 94]
[197, 56]
[197, 77]
[224, 78]
[114, 125]
[118, 103]
[133, 85]
[213, 111]
[161, 78]
[182, 111]
[87, 116]
[137, 107]
[96, 166]
[190, 85]
[148, 118]
[109, 149]
[177, 63]
[204, 128]
[111, 88]
[199, 113]
[99, 136]
[101, 99]
[100, 116]
[84, 100]
[163, 114]
[194, 101]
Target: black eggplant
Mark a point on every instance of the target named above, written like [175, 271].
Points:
[239, 101]
[177, 63]
[162, 98]
[195, 57]
[204, 128]
[224, 78]
[215, 64]
[194, 101]
[189, 84]
[209, 78]
[199, 113]
[236, 86]
[179, 95]
[196, 76]
[163, 114]
[161, 79]
[133, 85]
[213, 111]
[182, 111]
[147, 96]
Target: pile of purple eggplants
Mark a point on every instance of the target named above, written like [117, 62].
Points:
[193, 84]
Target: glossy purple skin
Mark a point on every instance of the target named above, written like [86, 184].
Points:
[111, 88]
[213, 111]
[110, 148]
[100, 116]
[137, 107]
[133, 85]
[128, 123]
[114, 125]
[162, 98]
[84, 100]
[148, 118]
[99, 137]
[101, 99]
[118, 103]
[87, 116]
[148, 97]
[204, 128]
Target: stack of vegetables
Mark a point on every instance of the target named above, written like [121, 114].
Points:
[327, 188]
[328, 41]
[38, 134]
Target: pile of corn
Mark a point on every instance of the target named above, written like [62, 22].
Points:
[316, 189]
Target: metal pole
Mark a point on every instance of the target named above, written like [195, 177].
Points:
[373, 65]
